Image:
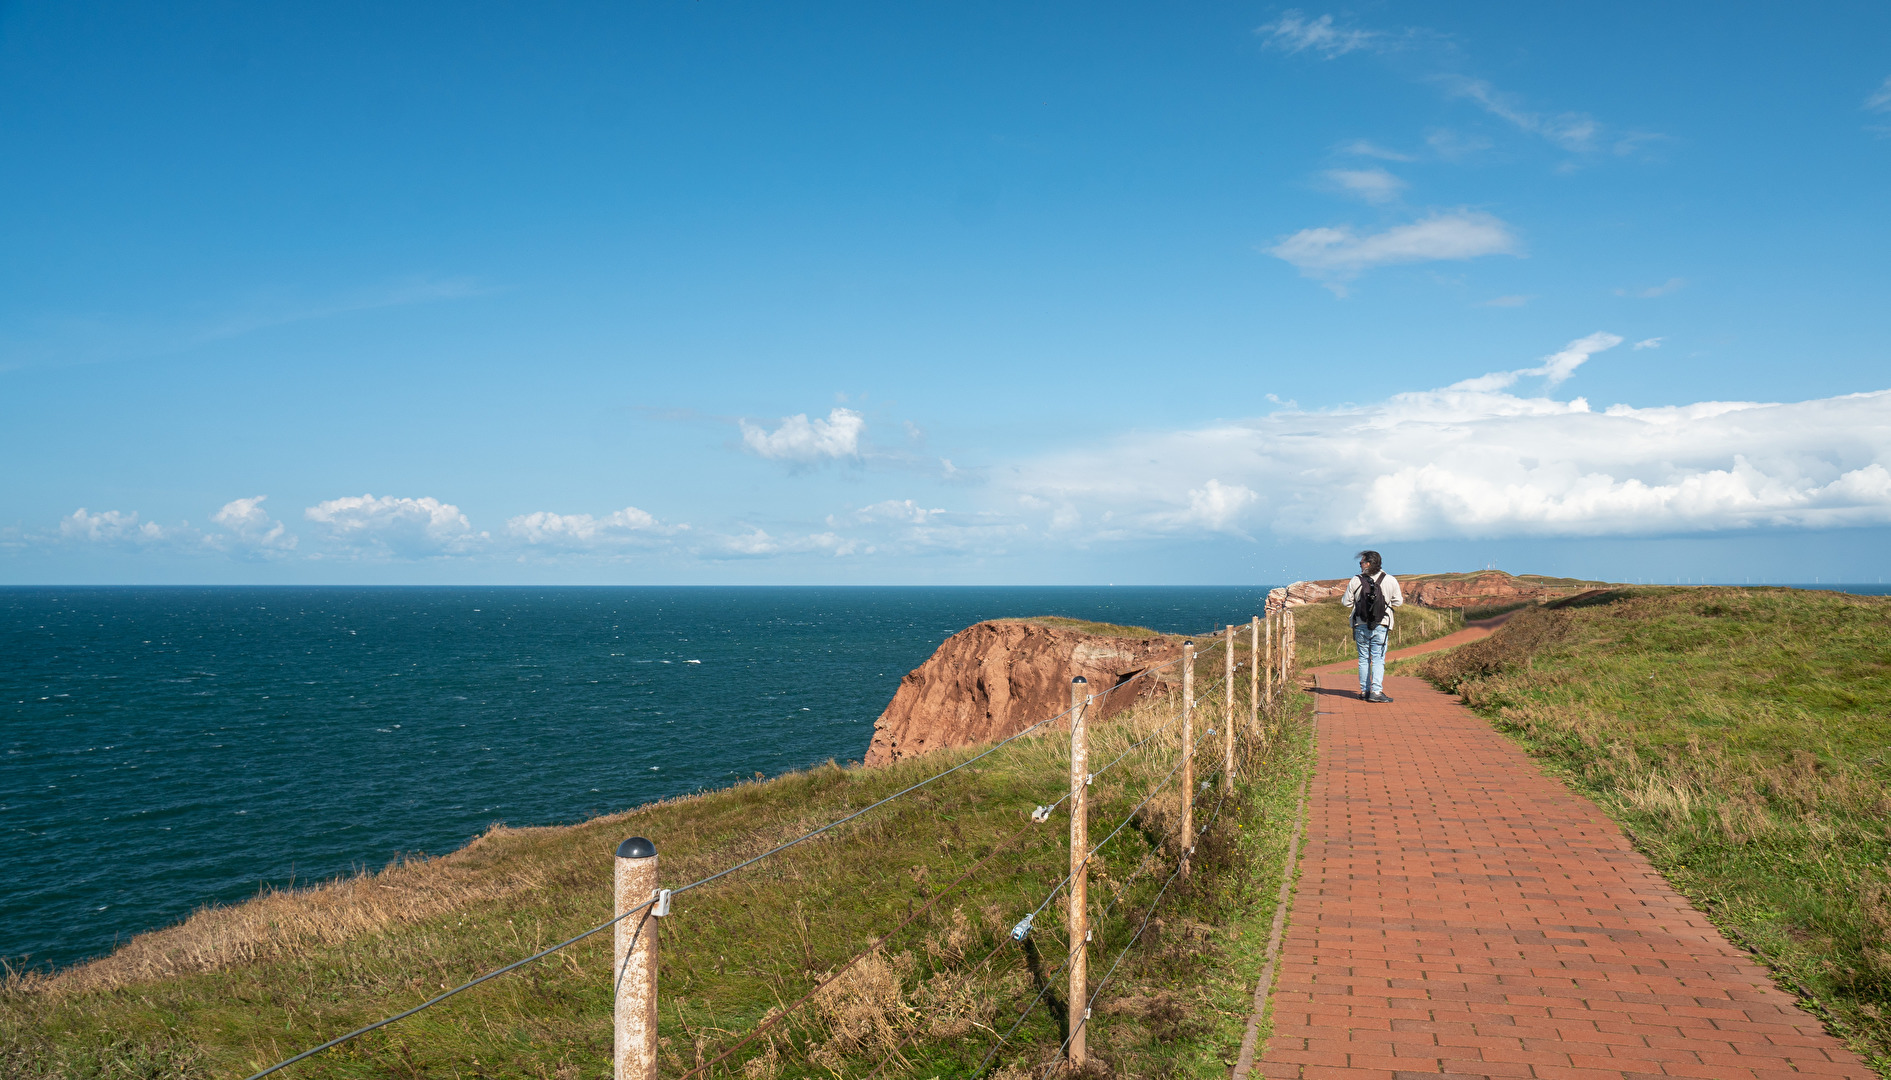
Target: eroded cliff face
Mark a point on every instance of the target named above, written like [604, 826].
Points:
[997, 678]
[1481, 589]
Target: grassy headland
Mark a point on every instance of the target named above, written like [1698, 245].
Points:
[237, 988]
[1743, 738]
[1324, 632]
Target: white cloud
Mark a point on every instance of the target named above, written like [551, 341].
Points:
[1217, 506]
[628, 526]
[1649, 343]
[1880, 99]
[1472, 460]
[250, 526]
[802, 441]
[1507, 301]
[401, 527]
[1453, 146]
[1571, 130]
[903, 525]
[1375, 186]
[1365, 148]
[112, 527]
[1673, 284]
[757, 543]
[1556, 368]
[1293, 32]
[901, 511]
[1338, 254]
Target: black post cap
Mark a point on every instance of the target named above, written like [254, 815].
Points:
[1080, 679]
[636, 848]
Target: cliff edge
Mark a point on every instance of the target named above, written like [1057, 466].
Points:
[1482, 588]
[997, 678]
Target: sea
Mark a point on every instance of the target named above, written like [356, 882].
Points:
[167, 748]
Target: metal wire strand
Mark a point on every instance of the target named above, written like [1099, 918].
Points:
[1002, 1039]
[1137, 936]
[431, 1002]
[674, 892]
[1052, 808]
[871, 948]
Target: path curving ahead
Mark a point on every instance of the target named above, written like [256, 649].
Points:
[1459, 913]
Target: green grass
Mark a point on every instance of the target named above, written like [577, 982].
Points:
[1085, 626]
[1741, 736]
[236, 989]
[1324, 631]
[1486, 611]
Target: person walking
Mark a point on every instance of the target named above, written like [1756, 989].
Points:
[1372, 594]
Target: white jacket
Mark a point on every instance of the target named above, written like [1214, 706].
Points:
[1387, 584]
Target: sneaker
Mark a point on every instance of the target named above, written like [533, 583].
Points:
[1363, 696]
[1379, 699]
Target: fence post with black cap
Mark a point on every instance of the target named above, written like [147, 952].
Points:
[634, 960]
[1078, 922]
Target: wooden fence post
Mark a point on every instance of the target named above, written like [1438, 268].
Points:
[1270, 659]
[1227, 713]
[1290, 647]
[1188, 753]
[634, 962]
[1254, 676]
[1078, 922]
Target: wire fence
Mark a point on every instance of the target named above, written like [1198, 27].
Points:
[1278, 656]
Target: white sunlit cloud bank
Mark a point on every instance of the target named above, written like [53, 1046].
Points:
[1476, 461]
[1505, 455]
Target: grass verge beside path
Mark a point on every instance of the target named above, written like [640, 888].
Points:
[1742, 738]
[238, 988]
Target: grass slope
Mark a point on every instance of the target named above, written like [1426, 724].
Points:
[1324, 631]
[1086, 626]
[1742, 737]
[234, 989]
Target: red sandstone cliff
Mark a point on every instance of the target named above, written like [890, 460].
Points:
[1481, 589]
[998, 678]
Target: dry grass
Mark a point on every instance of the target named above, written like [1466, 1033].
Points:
[235, 988]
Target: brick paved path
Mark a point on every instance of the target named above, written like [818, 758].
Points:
[1461, 914]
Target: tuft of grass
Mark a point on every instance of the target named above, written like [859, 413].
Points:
[1086, 626]
[1741, 736]
[238, 988]
[1490, 611]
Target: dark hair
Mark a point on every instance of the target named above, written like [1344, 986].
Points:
[1373, 558]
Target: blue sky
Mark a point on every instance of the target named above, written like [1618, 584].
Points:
[980, 293]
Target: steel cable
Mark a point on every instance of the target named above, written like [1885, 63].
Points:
[994, 748]
[1002, 1039]
[1137, 936]
[873, 947]
[463, 986]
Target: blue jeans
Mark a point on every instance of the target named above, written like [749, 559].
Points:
[1371, 642]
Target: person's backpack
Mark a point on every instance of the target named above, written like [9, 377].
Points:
[1369, 606]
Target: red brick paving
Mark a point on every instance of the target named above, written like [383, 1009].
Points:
[1461, 914]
